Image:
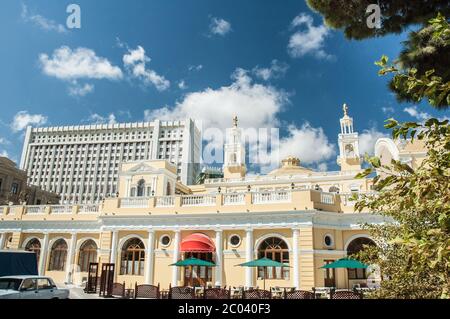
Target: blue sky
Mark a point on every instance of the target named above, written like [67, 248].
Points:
[206, 58]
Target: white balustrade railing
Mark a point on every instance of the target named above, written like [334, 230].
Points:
[87, 209]
[13, 210]
[234, 199]
[35, 210]
[198, 200]
[134, 202]
[61, 209]
[2, 209]
[165, 201]
[271, 197]
[327, 198]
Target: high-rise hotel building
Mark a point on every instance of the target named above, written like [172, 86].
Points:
[81, 163]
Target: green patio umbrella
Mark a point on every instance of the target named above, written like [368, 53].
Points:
[191, 262]
[347, 263]
[263, 262]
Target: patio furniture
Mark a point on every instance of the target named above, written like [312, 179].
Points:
[277, 292]
[217, 293]
[263, 262]
[256, 294]
[345, 294]
[129, 293]
[181, 293]
[299, 294]
[118, 290]
[346, 263]
[146, 292]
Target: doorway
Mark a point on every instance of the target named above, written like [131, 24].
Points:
[198, 276]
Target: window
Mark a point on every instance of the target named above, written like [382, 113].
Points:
[141, 188]
[354, 247]
[276, 249]
[328, 240]
[133, 257]
[235, 240]
[44, 284]
[34, 245]
[58, 256]
[165, 240]
[15, 188]
[88, 254]
[329, 275]
[29, 284]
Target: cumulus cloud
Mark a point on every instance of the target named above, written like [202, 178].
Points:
[99, 119]
[257, 106]
[80, 90]
[418, 115]
[308, 39]
[367, 140]
[219, 26]
[41, 21]
[81, 63]
[135, 62]
[23, 119]
[276, 70]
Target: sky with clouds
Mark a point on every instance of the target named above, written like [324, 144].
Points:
[273, 64]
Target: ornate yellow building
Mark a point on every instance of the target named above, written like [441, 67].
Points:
[293, 215]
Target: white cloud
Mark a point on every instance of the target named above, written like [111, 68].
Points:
[99, 119]
[182, 85]
[275, 70]
[195, 67]
[310, 40]
[80, 90]
[81, 63]
[219, 26]
[414, 112]
[4, 153]
[135, 61]
[388, 110]
[256, 105]
[41, 22]
[367, 140]
[23, 119]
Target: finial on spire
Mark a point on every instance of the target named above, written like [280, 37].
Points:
[345, 108]
[235, 121]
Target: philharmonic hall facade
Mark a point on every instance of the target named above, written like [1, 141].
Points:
[293, 215]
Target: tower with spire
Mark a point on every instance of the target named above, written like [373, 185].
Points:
[234, 157]
[349, 158]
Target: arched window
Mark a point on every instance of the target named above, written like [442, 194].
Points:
[133, 257]
[276, 249]
[355, 246]
[141, 188]
[87, 255]
[34, 245]
[58, 256]
[169, 189]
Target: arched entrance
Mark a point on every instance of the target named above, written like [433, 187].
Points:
[198, 246]
[354, 247]
[274, 248]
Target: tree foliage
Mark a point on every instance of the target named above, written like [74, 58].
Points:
[351, 16]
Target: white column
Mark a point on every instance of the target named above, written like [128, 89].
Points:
[219, 258]
[149, 257]
[249, 257]
[113, 254]
[43, 255]
[176, 256]
[127, 187]
[71, 258]
[295, 254]
[2, 240]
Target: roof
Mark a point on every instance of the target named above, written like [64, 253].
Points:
[291, 166]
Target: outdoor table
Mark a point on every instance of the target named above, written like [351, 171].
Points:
[164, 294]
[129, 293]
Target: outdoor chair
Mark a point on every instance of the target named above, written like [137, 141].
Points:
[181, 293]
[118, 290]
[217, 293]
[299, 294]
[146, 292]
[257, 294]
[345, 294]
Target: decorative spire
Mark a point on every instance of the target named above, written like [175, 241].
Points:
[235, 121]
[345, 108]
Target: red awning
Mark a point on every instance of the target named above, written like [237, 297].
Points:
[197, 243]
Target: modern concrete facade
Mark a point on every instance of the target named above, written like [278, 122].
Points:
[82, 162]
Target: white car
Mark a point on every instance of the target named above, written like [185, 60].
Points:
[30, 287]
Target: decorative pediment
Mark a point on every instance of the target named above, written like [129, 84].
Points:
[143, 168]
